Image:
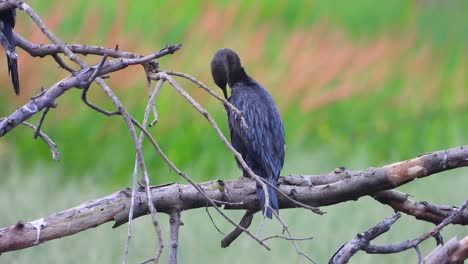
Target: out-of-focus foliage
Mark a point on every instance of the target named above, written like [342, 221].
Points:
[388, 80]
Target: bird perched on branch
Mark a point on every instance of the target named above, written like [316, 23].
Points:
[261, 140]
[7, 19]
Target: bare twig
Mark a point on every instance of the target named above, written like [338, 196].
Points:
[41, 121]
[97, 70]
[288, 238]
[130, 212]
[213, 222]
[291, 238]
[61, 63]
[51, 144]
[226, 103]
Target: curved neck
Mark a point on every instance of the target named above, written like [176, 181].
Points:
[236, 75]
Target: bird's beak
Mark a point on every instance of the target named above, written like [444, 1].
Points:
[225, 92]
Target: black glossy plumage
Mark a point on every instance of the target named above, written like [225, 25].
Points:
[8, 17]
[261, 144]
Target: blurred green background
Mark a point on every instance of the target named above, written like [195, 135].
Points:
[358, 84]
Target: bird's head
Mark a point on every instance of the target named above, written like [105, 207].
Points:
[224, 66]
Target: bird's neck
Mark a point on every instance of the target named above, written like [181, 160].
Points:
[236, 76]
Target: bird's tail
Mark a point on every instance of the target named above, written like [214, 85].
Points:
[13, 70]
[273, 198]
[12, 57]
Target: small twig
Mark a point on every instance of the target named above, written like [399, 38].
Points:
[98, 69]
[92, 106]
[47, 140]
[227, 104]
[293, 241]
[130, 212]
[288, 238]
[418, 252]
[149, 261]
[61, 63]
[152, 101]
[438, 238]
[174, 223]
[41, 121]
[213, 222]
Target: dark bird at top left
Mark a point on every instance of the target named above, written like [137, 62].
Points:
[7, 19]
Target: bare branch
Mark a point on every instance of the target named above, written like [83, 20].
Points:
[174, 223]
[412, 243]
[47, 98]
[362, 241]
[51, 49]
[184, 197]
[245, 222]
[420, 210]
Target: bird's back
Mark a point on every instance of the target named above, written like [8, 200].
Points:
[261, 143]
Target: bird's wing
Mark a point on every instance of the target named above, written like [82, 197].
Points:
[263, 138]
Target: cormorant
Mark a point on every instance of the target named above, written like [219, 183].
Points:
[261, 143]
[8, 17]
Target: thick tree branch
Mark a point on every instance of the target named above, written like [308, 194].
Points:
[115, 207]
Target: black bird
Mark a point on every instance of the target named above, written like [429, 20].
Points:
[8, 17]
[261, 143]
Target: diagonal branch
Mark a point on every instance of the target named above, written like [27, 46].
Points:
[362, 241]
[77, 79]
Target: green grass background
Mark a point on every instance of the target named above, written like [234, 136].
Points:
[400, 91]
